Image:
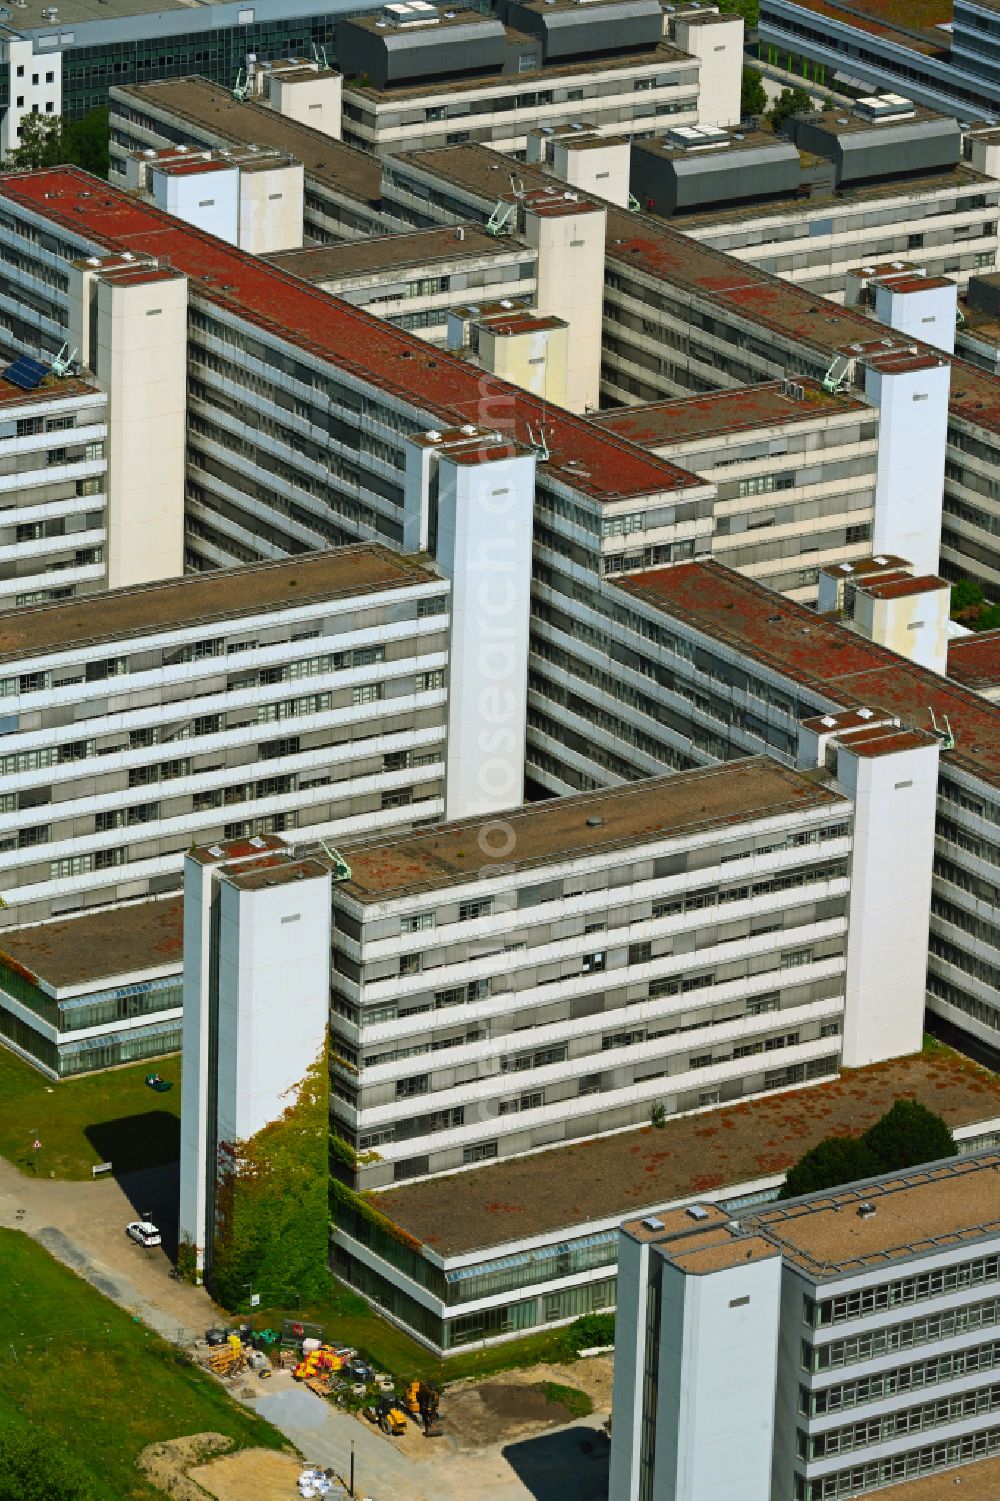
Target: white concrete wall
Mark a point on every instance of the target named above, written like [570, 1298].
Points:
[311, 101]
[207, 199]
[718, 44]
[194, 1057]
[274, 997]
[536, 360]
[34, 82]
[270, 208]
[631, 1314]
[141, 362]
[603, 170]
[913, 423]
[914, 625]
[570, 250]
[484, 542]
[928, 315]
[895, 798]
[717, 1373]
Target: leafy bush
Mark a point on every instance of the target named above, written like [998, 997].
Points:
[908, 1135]
[591, 1331]
[837, 1160]
[753, 99]
[789, 102]
[965, 595]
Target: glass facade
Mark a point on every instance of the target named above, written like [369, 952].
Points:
[89, 72]
[96, 1009]
[512, 1317]
[99, 1008]
[93, 1052]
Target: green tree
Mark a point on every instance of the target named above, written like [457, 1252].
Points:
[753, 99]
[837, 1160]
[907, 1135]
[748, 9]
[988, 618]
[86, 142]
[965, 595]
[41, 143]
[36, 1467]
[47, 142]
[789, 102]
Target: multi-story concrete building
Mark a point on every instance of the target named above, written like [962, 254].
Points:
[342, 185]
[946, 58]
[415, 280]
[704, 667]
[307, 694]
[417, 77]
[63, 59]
[884, 180]
[53, 488]
[252, 197]
[90, 992]
[496, 1249]
[781, 526]
[676, 942]
[821, 1348]
[681, 317]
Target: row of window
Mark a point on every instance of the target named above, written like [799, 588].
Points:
[907, 1378]
[865, 1301]
[905, 1336]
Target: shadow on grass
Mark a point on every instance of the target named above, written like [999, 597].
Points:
[134, 1142]
[569, 1462]
[154, 1193]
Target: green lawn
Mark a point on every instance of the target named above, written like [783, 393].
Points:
[77, 1367]
[105, 1117]
[348, 1319]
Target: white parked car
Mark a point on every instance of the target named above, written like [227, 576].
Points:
[144, 1233]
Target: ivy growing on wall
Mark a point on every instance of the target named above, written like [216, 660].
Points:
[272, 1207]
[340, 1194]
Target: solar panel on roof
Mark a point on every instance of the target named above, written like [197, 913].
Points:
[26, 373]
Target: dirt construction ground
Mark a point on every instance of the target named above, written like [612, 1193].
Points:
[252, 1475]
[479, 1413]
[491, 1430]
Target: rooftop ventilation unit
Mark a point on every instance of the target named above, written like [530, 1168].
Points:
[884, 107]
[696, 1212]
[410, 13]
[652, 1223]
[864, 713]
[828, 721]
[696, 137]
[866, 1211]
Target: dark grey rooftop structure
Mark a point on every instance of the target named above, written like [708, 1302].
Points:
[873, 141]
[406, 42]
[569, 29]
[696, 167]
